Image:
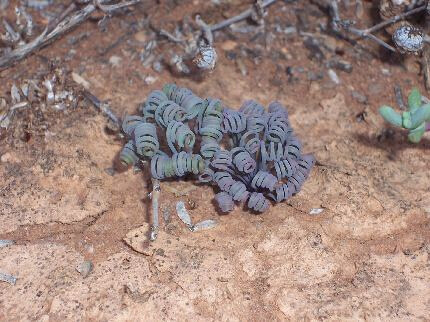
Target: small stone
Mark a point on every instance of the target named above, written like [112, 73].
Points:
[333, 76]
[312, 76]
[316, 211]
[8, 278]
[149, 80]
[241, 66]
[157, 66]
[204, 225]
[85, 268]
[290, 30]
[6, 242]
[228, 45]
[183, 214]
[340, 65]
[140, 36]
[115, 61]
[7, 157]
[287, 54]
[361, 98]
[385, 72]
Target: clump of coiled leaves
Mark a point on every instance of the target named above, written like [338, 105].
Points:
[250, 154]
[416, 119]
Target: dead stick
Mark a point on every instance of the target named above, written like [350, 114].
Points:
[104, 107]
[48, 36]
[426, 66]
[154, 196]
[109, 8]
[399, 97]
[242, 16]
[206, 30]
[64, 14]
[395, 19]
[367, 33]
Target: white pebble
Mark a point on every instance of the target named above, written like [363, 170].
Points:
[333, 76]
[115, 61]
[316, 211]
[8, 278]
[5, 242]
[149, 80]
[183, 214]
[205, 224]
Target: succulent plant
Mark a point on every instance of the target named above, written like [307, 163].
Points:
[250, 154]
[416, 119]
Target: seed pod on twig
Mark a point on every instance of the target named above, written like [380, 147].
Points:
[408, 39]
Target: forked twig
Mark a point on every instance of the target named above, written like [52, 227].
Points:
[206, 30]
[368, 33]
[241, 16]
[170, 36]
[64, 14]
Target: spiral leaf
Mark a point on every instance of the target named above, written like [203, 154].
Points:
[264, 159]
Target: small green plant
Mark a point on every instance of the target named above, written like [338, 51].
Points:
[416, 119]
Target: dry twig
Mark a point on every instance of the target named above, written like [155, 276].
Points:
[368, 33]
[102, 106]
[154, 196]
[108, 9]
[51, 32]
[426, 66]
[242, 16]
[399, 97]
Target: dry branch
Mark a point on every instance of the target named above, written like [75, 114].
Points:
[368, 33]
[51, 33]
[242, 16]
[102, 106]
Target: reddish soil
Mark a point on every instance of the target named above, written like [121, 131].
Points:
[366, 256]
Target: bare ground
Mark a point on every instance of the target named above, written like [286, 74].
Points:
[366, 256]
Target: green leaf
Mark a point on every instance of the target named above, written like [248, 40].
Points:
[416, 134]
[421, 115]
[407, 120]
[390, 115]
[414, 100]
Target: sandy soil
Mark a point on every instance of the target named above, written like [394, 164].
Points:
[365, 257]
